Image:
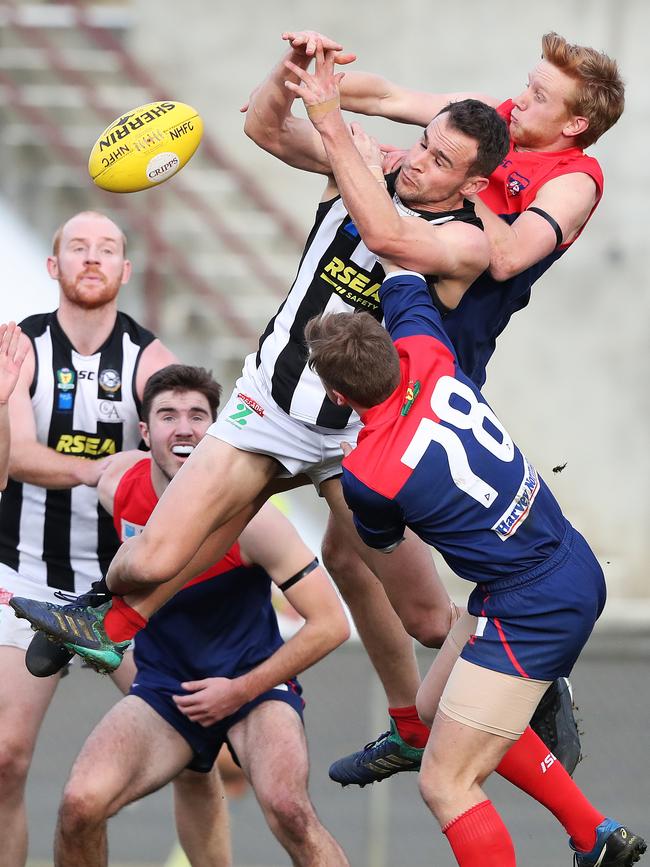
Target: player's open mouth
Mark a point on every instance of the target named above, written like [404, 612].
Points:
[182, 450]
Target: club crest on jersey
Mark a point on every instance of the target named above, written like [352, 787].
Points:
[412, 391]
[109, 380]
[65, 379]
[519, 508]
[516, 183]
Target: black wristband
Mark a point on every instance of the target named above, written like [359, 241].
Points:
[295, 578]
[552, 223]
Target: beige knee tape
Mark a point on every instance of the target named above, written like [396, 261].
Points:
[491, 701]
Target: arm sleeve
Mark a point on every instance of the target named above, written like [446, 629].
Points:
[378, 520]
[408, 308]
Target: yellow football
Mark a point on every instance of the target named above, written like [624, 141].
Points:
[145, 146]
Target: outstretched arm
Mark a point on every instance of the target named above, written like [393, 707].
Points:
[270, 123]
[367, 93]
[272, 542]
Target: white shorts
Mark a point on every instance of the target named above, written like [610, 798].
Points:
[15, 631]
[252, 421]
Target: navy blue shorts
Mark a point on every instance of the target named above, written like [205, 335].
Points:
[535, 625]
[206, 741]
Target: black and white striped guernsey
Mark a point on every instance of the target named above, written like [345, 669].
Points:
[84, 405]
[337, 273]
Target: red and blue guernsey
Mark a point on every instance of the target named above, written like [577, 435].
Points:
[435, 458]
[221, 624]
[487, 306]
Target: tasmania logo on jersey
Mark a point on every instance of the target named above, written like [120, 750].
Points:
[516, 183]
[519, 508]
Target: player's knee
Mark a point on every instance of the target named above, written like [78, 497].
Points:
[434, 788]
[146, 569]
[345, 567]
[15, 758]
[289, 816]
[427, 627]
[82, 806]
[425, 711]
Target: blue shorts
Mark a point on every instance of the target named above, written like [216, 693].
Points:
[206, 741]
[535, 625]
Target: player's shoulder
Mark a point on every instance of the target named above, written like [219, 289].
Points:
[139, 334]
[35, 325]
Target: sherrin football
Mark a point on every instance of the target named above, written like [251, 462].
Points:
[145, 146]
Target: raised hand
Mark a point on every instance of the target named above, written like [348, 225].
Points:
[307, 40]
[319, 90]
[12, 354]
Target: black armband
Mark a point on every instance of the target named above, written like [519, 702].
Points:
[295, 578]
[552, 223]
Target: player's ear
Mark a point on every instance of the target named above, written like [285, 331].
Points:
[339, 399]
[144, 433]
[126, 271]
[472, 186]
[53, 267]
[576, 126]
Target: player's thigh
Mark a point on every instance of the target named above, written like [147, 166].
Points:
[435, 680]
[213, 485]
[24, 699]
[131, 752]
[271, 746]
[124, 676]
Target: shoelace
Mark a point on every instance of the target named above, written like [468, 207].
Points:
[373, 744]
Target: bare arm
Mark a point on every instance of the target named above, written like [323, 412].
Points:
[367, 93]
[13, 351]
[271, 125]
[272, 542]
[33, 462]
[568, 199]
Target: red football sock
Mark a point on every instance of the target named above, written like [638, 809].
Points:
[122, 622]
[531, 767]
[479, 838]
[410, 727]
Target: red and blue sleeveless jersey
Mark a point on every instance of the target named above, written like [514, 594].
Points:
[487, 306]
[434, 457]
[220, 624]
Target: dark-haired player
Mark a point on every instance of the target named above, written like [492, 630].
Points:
[211, 665]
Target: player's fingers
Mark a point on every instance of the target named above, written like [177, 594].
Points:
[342, 59]
[21, 354]
[194, 685]
[346, 448]
[302, 74]
[14, 337]
[3, 332]
[244, 107]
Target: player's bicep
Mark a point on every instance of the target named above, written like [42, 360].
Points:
[568, 201]
[270, 540]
